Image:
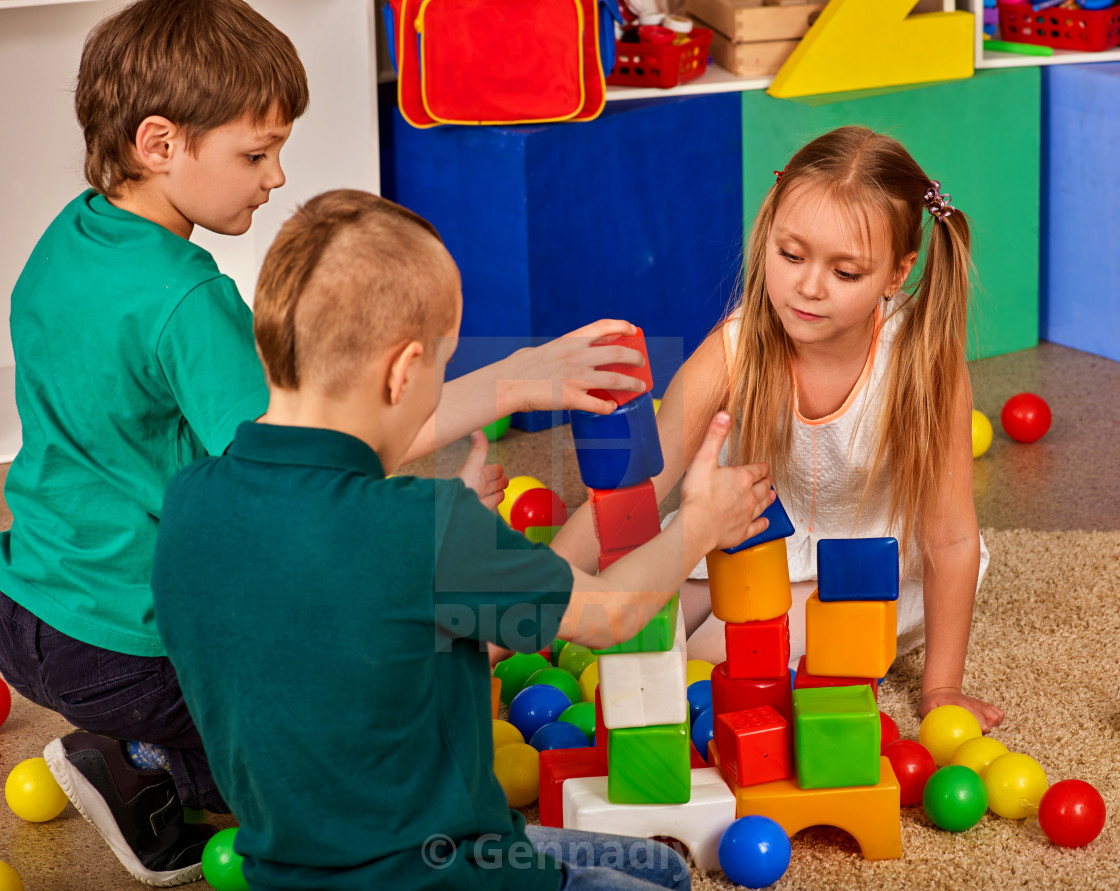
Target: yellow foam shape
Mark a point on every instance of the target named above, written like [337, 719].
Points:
[850, 638]
[870, 814]
[751, 585]
[857, 45]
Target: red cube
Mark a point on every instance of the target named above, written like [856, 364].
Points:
[758, 649]
[558, 765]
[606, 558]
[755, 745]
[625, 518]
[636, 341]
[803, 679]
[735, 694]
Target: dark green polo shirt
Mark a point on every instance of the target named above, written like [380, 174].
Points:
[325, 623]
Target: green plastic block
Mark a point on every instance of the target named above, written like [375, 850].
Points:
[980, 137]
[656, 637]
[836, 736]
[649, 765]
[541, 534]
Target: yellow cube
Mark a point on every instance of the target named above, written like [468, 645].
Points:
[850, 638]
[751, 585]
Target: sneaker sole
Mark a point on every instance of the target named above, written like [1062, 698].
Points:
[92, 806]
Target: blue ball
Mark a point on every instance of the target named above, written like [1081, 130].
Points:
[699, 698]
[754, 852]
[703, 729]
[536, 706]
[559, 735]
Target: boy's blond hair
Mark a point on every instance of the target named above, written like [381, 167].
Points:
[198, 63]
[349, 275]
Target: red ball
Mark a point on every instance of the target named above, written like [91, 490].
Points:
[537, 507]
[1025, 417]
[913, 766]
[1071, 813]
[889, 730]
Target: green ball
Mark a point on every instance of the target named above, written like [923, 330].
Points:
[516, 670]
[574, 658]
[555, 649]
[560, 679]
[582, 714]
[955, 798]
[221, 864]
[495, 431]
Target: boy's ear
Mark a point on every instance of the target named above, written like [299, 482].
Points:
[399, 366]
[157, 140]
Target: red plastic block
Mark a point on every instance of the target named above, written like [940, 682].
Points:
[558, 765]
[695, 759]
[803, 680]
[735, 694]
[756, 745]
[606, 558]
[624, 518]
[635, 341]
[601, 733]
[758, 649]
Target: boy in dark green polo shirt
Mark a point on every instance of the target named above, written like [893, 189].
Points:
[329, 624]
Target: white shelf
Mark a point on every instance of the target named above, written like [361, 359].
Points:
[10, 438]
[714, 80]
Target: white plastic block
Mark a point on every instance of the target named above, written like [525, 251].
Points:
[643, 689]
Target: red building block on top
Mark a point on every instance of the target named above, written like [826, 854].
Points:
[758, 649]
[735, 694]
[624, 518]
[558, 765]
[755, 745]
[636, 341]
[803, 679]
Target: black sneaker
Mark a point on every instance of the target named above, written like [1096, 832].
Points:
[137, 812]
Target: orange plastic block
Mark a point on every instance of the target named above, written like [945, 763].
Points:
[757, 744]
[803, 680]
[751, 585]
[870, 814]
[495, 695]
[636, 341]
[850, 638]
[735, 694]
[757, 649]
[624, 518]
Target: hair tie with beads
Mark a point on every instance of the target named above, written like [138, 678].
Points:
[936, 203]
[780, 173]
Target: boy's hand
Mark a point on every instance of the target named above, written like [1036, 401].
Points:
[987, 714]
[486, 479]
[725, 501]
[558, 374]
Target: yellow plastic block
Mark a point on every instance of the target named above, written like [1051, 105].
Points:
[857, 45]
[850, 638]
[751, 585]
[870, 814]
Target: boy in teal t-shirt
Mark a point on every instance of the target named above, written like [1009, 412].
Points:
[333, 650]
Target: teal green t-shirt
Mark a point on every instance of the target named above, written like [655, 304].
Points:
[134, 357]
[326, 625]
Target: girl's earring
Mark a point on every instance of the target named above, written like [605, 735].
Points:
[887, 297]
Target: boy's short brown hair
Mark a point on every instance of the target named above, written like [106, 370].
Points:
[198, 63]
[349, 275]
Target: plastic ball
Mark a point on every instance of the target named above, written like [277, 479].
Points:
[981, 433]
[581, 715]
[703, 729]
[589, 682]
[517, 487]
[558, 678]
[945, 728]
[1016, 784]
[955, 798]
[1071, 813]
[1025, 417]
[221, 864]
[517, 767]
[754, 852]
[505, 733]
[913, 766]
[888, 730]
[497, 429]
[9, 878]
[559, 735]
[537, 507]
[978, 753]
[32, 792]
[515, 671]
[553, 651]
[697, 670]
[536, 706]
[699, 698]
[5, 701]
[575, 658]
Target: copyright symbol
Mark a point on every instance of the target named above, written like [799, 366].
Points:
[437, 851]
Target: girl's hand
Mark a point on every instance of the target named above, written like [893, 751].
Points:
[987, 714]
[487, 480]
[558, 374]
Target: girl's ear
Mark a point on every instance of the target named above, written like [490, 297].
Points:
[399, 367]
[157, 140]
[903, 271]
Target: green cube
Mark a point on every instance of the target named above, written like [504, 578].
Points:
[655, 637]
[649, 765]
[541, 534]
[836, 736]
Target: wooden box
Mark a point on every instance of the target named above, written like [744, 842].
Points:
[753, 40]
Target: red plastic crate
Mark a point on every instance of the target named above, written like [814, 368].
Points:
[1085, 30]
[661, 64]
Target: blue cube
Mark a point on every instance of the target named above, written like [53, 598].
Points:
[620, 449]
[780, 527]
[857, 569]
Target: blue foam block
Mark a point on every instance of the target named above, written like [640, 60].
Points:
[857, 569]
[620, 449]
[780, 527]
[1080, 262]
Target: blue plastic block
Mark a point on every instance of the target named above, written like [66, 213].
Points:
[857, 569]
[780, 527]
[1080, 262]
[619, 449]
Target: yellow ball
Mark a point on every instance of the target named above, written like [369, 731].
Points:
[698, 670]
[981, 433]
[978, 753]
[588, 681]
[32, 792]
[505, 733]
[518, 770]
[9, 878]
[944, 729]
[517, 487]
[1015, 784]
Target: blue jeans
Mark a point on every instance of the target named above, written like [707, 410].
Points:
[595, 861]
[113, 694]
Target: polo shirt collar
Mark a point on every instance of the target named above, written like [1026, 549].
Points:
[309, 446]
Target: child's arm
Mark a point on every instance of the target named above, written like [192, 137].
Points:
[720, 507]
[951, 565]
[553, 376]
